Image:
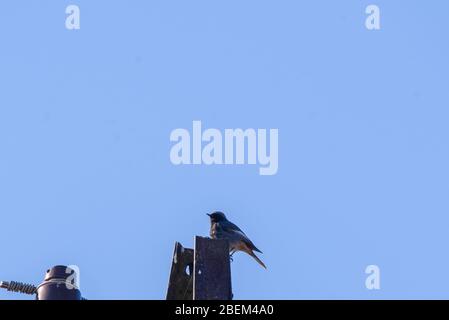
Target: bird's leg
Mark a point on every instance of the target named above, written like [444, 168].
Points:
[230, 255]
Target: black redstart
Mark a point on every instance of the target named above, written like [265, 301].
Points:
[222, 228]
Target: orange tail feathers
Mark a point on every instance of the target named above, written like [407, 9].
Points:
[252, 254]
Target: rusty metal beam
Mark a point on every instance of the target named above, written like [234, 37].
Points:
[180, 284]
[211, 270]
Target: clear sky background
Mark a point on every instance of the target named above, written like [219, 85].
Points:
[85, 120]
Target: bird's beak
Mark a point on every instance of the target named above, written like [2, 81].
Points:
[208, 214]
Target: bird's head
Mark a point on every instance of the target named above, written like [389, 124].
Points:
[217, 216]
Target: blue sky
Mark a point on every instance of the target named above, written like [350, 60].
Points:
[86, 116]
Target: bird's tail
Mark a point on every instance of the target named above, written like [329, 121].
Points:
[252, 254]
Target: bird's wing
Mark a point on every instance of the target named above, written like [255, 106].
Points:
[229, 226]
[232, 228]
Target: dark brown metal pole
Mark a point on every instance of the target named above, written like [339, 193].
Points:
[201, 274]
[180, 284]
[212, 270]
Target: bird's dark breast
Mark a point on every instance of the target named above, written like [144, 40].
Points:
[215, 232]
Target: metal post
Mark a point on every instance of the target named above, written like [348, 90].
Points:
[212, 270]
[201, 274]
[180, 283]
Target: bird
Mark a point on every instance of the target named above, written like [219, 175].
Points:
[222, 228]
